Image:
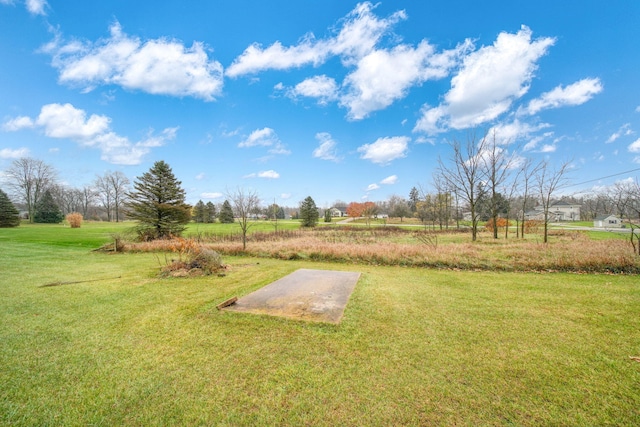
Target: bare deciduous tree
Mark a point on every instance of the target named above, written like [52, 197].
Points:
[548, 180]
[27, 179]
[626, 199]
[87, 197]
[464, 174]
[104, 193]
[245, 202]
[120, 186]
[111, 189]
[526, 181]
[398, 207]
[497, 163]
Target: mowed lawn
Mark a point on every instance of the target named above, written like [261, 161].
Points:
[113, 344]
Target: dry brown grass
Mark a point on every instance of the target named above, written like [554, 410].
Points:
[568, 251]
[74, 219]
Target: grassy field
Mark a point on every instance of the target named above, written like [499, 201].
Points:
[113, 344]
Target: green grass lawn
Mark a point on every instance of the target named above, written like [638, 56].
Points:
[116, 345]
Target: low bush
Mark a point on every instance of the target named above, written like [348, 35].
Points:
[74, 219]
[192, 258]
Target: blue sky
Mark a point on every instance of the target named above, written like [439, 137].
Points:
[331, 99]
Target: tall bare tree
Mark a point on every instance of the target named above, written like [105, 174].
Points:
[548, 180]
[626, 199]
[528, 171]
[120, 186]
[497, 163]
[104, 193]
[67, 198]
[244, 203]
[398, 207]
[442, 200]
[87, 197]
[111, 189]
[27, 179]
[464, 175]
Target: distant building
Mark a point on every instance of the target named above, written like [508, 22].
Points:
[338, 211]
[607, 221]
[558, 212]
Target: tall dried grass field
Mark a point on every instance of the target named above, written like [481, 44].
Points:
[567, 251]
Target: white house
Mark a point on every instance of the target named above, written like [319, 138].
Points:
[338, 211]
[607, 221]
[558, 211]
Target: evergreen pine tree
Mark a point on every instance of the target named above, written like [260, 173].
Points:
[9, 215]
[210, 210]
[226, 213]
[309, 212]
[327, 215]
[157, 202]
[199, 214]
[47, 212]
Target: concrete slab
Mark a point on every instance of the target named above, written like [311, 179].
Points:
[313, 295]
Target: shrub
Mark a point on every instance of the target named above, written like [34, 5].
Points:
[532, 226]
[502, 222]
[206, 260]
[193, 259]
[74, 219]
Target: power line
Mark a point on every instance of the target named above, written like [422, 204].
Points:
[604, 177]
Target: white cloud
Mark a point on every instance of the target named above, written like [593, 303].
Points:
[384, 150]
[379, 76]
[36, 7]
[490, 79]
[361, 30]
[211, 195]
[321, 87]
[534, 141]
[64, 121]
[512, 132]
[634, 147]
[158, 140]
[285, 196]
[201, 176]
[160, 66]
[277, 57]
[270, 174]
[624, 130]
[424, 140]
[264, 137]
[279, 149]
[548, 148]
[7, 153]
[575, 94]
[390, 180]
[326, 149]
[18, 123]
[384, 76]
[372, 187]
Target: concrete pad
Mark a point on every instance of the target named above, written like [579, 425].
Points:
[313, 295]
